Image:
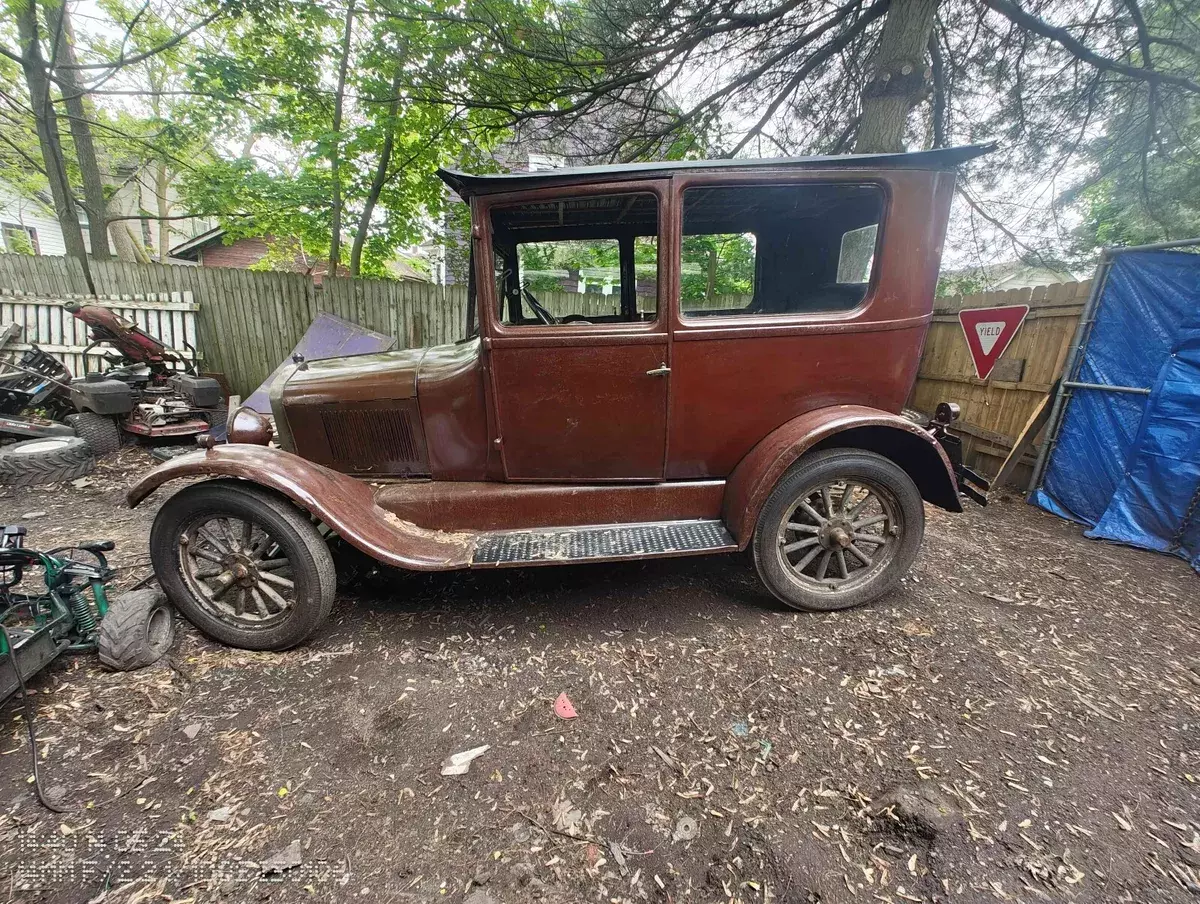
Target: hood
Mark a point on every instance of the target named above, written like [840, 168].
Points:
[361, 378]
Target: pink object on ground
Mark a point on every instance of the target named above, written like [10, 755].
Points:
[563, 708]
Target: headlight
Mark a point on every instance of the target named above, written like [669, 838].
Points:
[245, 425]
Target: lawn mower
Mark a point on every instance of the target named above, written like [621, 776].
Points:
[149, 391]
[34, 400]
[36, 382]
[71, 613]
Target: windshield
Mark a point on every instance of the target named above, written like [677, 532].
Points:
[472, 327]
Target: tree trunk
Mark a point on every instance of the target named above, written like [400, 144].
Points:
[34, 67]
[380, 179]
[335, 162]
[899, 76]
[58, 25]
[123, 243]
[162, 185]
[711, 286]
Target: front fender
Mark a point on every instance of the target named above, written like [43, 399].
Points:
[344, 503]
[853, 426]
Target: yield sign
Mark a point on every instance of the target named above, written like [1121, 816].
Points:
[989, 331]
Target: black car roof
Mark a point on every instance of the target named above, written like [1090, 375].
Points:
[469, 184]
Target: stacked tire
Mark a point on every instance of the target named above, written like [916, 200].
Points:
[54, 459]
[50, 459]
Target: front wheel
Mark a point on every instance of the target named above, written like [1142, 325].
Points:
[840, 529]
[243, 565]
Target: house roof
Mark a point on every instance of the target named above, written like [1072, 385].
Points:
[188, 250]
[468, 184]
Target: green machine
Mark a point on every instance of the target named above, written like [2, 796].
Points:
[70, 613]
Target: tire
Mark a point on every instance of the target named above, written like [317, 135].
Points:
[216, 593]
[51, 459]
[136, 631]
[891, 501]
[101, 433]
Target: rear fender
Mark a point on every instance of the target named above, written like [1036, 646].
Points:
[344, 503]
[850, 426]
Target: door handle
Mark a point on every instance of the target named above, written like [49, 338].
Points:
[661, 371]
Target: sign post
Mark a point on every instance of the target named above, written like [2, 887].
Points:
[989, 331]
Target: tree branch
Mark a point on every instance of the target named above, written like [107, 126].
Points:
[1072, 45]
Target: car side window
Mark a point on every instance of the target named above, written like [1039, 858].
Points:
[577, 260]
[780, 249]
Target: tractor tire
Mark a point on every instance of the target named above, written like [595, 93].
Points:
[137, 629]
[101, 433]
[51, 459]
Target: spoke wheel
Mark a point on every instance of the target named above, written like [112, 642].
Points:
[840, 528]
[840, 534]
[243, 565]
[237, 570]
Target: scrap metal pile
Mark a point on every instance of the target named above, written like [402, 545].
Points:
[62, 423]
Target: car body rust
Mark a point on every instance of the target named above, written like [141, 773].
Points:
[411, 456]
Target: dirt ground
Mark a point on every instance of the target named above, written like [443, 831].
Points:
[1020, 721]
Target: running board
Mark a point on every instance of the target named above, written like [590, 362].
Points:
[601, 543]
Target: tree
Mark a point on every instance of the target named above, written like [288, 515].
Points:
[789, 77]
[1130, 197]
[359, 148]
[62, 39]
[56, 76]
[335, 140]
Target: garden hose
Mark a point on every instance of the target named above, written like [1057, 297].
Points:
[37, 778]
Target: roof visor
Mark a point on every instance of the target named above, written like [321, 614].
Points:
[468, 185]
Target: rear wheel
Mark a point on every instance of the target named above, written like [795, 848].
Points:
[243, 565]
[840, 529]
[51, 459]
[101, 433]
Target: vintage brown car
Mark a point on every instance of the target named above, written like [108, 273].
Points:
[661, 415]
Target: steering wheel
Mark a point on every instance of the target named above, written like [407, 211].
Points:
[574, 318]
[539, 311]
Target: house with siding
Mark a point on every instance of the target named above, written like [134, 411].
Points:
[28, 225]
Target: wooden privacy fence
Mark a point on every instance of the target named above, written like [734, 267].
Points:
[249, 321]
[46, 322]
[995, 411]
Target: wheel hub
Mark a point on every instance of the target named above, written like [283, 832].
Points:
[237, 571]
[836, 535]
[243, 572]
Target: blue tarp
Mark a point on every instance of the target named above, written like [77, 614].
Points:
[1128, 465]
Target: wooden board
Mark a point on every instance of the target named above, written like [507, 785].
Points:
[1025, 440]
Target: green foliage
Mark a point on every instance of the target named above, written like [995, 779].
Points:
[729, 259]
[970, 282]
[18, 241]
[537, 258]
[268, 85]
[1145, 185]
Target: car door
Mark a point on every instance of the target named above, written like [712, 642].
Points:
[580, 387]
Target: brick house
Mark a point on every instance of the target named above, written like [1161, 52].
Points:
[209, 249]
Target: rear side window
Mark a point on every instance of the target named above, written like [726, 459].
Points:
[780, 249]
